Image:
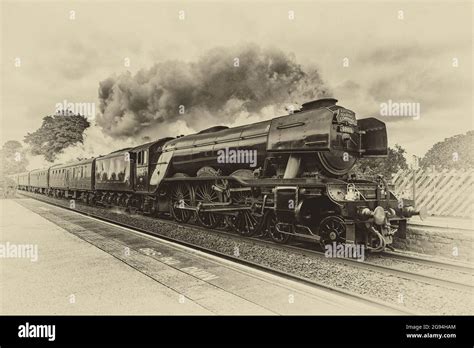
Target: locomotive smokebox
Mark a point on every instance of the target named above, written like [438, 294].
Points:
[331, 133]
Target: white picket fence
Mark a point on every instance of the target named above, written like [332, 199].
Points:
[442, 192]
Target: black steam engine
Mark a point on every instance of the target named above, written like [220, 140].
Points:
[283, 178]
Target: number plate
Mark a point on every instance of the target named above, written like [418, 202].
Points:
[346, 129]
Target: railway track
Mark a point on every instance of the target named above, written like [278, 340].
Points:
[310, 250]
[427, 279]
[450, 266]
[306, 249]
[134, 229]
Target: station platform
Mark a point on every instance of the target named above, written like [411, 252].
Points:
[448, 223]
[84, 266]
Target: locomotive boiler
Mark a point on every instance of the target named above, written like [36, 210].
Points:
[322, 137]
[288, 177]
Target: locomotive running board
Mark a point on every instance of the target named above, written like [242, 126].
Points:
[214, 208]
[267, 182]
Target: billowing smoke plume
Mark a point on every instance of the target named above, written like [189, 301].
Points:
[225, 87]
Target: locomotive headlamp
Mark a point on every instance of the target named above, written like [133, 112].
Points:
[379, 215]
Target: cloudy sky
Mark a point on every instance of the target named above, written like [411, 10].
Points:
[367, 53]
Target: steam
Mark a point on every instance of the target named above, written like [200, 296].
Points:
[226, 86]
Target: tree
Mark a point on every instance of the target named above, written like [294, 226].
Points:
[13, 158]
[451, 153]
[55, 134]
[13, 161]
[384, 166]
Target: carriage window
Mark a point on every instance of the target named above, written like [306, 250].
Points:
[145, 157]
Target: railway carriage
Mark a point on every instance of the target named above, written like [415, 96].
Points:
[39, 180]
[58, 179]
[24, 180]
[73, 180]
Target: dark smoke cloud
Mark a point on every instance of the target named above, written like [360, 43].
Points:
[212, 90]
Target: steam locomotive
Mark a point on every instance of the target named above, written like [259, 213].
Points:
[288, 177]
